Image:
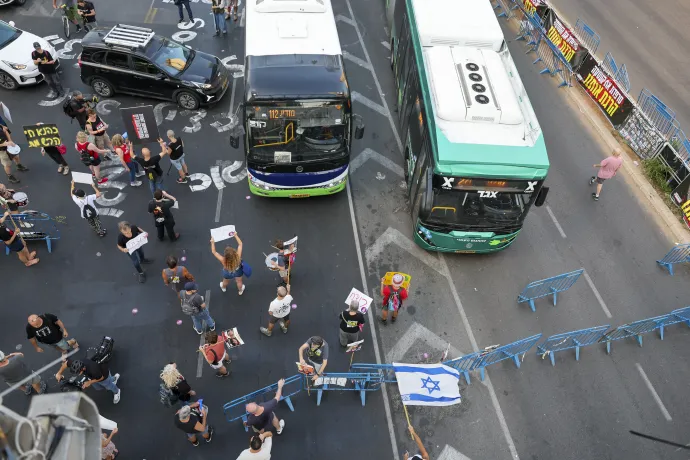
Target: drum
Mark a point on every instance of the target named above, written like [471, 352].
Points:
[272, 257]
[21, 199]
[13, 149]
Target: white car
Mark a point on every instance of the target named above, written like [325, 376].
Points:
[16, 67]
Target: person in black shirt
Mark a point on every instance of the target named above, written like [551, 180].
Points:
[151, 165]
[162, 216]
[80, 108]
[58, 158]
[176, 151]
[88, 14]
[174, 381]
[192, 420]
[350, 321]
[47, 65]
[6, 158]
[49, 330]
[127, 232]
[15, 243]
[98, 375]
[261, 416]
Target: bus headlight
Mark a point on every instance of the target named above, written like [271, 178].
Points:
[337, 182]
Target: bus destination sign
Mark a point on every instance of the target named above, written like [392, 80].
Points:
[476, 184]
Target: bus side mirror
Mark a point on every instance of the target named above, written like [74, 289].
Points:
[541, 198]
[359, 132]
[234, 142]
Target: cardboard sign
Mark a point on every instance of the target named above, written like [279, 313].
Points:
[388, 279]
[82, 178]
[6, 112]
[222, 233]
[140, 124]
[232, 338]
[42, 135]
[354, 346]
[136, 243]
[363, 299]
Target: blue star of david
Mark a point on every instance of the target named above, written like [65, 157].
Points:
[431, 385]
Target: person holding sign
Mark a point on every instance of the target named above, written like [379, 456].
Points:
[163, 217]
[285, 256]
[151, 166]
[16, 243]
[279, 310]
[393, 297]
[123, 149]
[315, 350]
[129, 232]
[87, 208]
[232, 264]
[351, 321]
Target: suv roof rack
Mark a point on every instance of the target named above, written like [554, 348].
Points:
[129, 36]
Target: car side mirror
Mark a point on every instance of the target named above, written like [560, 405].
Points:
[541, 198]
[234, 141]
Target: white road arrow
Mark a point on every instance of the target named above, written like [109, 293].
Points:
[228, 170]
[206, 182]
[368, 154]
[103, 106]
[393, 236]
[415, 333]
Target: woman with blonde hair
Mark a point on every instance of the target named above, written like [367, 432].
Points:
[175, 382]
[123, 150]
[232, 264]
[89, 154]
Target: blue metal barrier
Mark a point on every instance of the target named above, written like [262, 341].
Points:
[587, 35]
[36, 226]
[677, 255]
[386, 371]
[568, 340]
[346, 381]
[234, 410]
[548, 286]
[512, 350]
[464, 364]
[618, 73]
[662, 117]
[636, 329]
[683, 315]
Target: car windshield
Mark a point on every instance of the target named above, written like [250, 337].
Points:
[8, 34]
[173, 58]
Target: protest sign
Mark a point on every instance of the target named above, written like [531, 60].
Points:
[42, 135]
[82, 178]
[388, 279]
[232, 338]
[137, 242]
[222, 233]
[140, 123]
[6, 112]
[363, 300]
[354, 346]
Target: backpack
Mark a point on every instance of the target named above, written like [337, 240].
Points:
[167, 397]
[187, 307]
[68, 108]
[89, 212]
[85, 157]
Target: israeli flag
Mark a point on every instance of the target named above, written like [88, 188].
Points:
[427, 384]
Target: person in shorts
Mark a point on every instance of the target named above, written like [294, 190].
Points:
[6, 158]
[151, 166]
[49, 330]
[192, 419]
[87, 208]
[98, 129]
[393, 297]
[607, 169]
[13, 241]
[262, 416]
[314, 350]
[13, 370]
[215, 354]
[283, 262]
[279, 311]
[176, 151]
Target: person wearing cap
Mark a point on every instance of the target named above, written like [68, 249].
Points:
[259, 447]
[13, 370]
[98, 375]
[47, 65]
[423, 454]
[315, 350]
[192, 419]
[87, 207]
[393, 297]
[193, 301]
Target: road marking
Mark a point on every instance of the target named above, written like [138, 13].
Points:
[215, 176]
[150, 14]
[110, 212]
[158, 111]
[415, 333]
[56, 101]
[553, 218]
[368, 154]
[228, 170]
[102, 106]
[356, 60]
[206, 182]
[597, 295]
[346, 20]
[656, 397]
[218, 204]
[67, 48]
[196, 120]
[386, 45]
[357, 97]
[393, 236]
[183, 36]
[200, 360]
[372, 323]
[449, 453]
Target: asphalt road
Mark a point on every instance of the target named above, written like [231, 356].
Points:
[648, 38]
[575, 410]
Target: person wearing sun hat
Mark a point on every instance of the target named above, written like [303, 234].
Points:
[393, 297]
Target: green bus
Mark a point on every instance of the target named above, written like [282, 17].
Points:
[475, 158]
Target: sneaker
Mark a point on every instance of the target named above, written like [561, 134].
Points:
[180, 22]
[393, 319]
[116, 377]
[44, 387]
[65, 171]
[182, 180]
[139, 174]
[591, 181]
[28, 389]
[283, 327]
[225, 32]
[142, 277]
[78, 28]
[266, 332]
[136, 183]
[60, 168]
[187, 174]
[210, 434]
[21, 167]
[103, 180]
[222, 288]
[212, 328]
[116, 398]
[222, 376]
[195, 443]
[282, 425]
[12, 179]
[241, 291]
[217, 33]
[147, 261]
[383, 321]
[595, 196]
[197, 330]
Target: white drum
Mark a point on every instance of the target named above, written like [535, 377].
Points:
[21, 199]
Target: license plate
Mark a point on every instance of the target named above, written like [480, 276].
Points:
[282, 157]
[299, 195]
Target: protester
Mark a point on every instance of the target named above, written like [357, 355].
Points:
[283, 262]
[607, 169]
[96, 374]
[175, 382]
[89, 155]
[151, 167]
[315, 350]
[232, 265]
[215, 354]
[259, 447]
[218, 8]
[176, 276]
[393, 297]
[13, 370]
[7, 194]
[185, 3]
[88, 14]
[193, 305]
[176, 151]
[98, 129]
[14, 241]
[78, 107]
[262, 416]
[192, 419]
[57, 155]
[351, 320]
[232, 10]
[47, 65]
[108, 449]
[71, 11]
[123, 149]
[279, 311]
[49, 330]
[88, 209]
[422, 455]
[6, 158]
[163, 217]
[128, 232]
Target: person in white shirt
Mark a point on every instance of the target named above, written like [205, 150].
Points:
[87, 207]
[259, 447]
[279, 310]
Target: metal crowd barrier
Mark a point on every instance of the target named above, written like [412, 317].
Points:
[587, 36]
[464, 364]
[548, 286]
[677, 255]
[510, 351]
[568, 340]
[36, 226]
[346, 381]
[386, 371]
[506, 10]
[636, 329]
[234, 410]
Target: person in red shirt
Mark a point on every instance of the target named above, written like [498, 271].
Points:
[393, 297]
[215, 354]
[89, 154]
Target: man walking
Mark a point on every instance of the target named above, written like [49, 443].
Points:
[262, 416]
[162, 215]
[393, 297]
[259, 447]
[315, 350]
[193, 305]
[151, 165]
[95, 373]
[79, 109]
[192, 419]
[47, 65]
[13, 240]
[13, 370]
[87, 208]
[185, 3]
[279, 310]
[607, 169]
[88, 14]
[6, 158]
[49, 330]
[351, 320]
[128, 232]
[176, 276]
[176, 151]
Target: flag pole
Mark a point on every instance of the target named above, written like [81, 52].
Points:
[407, 416]
[352, 356]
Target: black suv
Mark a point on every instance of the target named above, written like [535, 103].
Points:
[135, 60]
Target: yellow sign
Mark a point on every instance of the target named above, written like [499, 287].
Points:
[388, 279]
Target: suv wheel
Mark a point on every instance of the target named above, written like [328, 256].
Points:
[187, 100]
[102, 87]
[7, 82]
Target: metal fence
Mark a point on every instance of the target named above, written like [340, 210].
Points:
[679, 254]
[346, 381]
[36, 226]
[510, 351]
[639, 133]
[548, 286]
[635, 329]
[620, 74]
[569, 340]
[587, 35]
[464, 364]
[386, 370]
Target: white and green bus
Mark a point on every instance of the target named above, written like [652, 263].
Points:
[475, 158]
